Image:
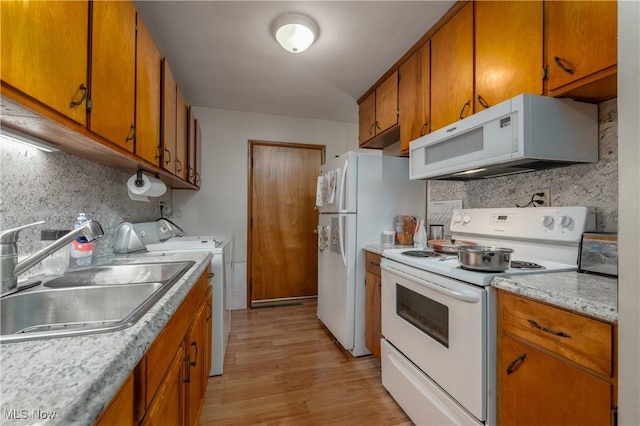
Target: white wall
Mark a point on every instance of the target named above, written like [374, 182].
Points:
[220, 207]
[629, 211]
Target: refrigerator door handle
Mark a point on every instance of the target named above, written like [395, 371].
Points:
[343, 182]
[342, 239]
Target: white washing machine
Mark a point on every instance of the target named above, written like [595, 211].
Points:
[163, 235]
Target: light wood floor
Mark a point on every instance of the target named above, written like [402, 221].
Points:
[282, 367]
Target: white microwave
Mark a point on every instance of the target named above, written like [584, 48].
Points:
[522, 134]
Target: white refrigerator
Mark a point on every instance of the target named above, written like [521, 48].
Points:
[358, 197]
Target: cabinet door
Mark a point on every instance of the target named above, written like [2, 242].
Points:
[198, 153]
[538, 389]
[197, 361]
[44, 52]
[208, 334]
[373, 326]
[113, 55]
[148, 62]
[367, 118]
[167, 408]
[387, 104]
[508, 53]
[413, 97]
[182, 117]
[169, 97]
[581, 39]
[191, 147]
[452, 70]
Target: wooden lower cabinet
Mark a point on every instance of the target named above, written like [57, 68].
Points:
[550, 367]
[373, 326]
[168, 385]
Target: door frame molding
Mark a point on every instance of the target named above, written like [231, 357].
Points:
[252, 143]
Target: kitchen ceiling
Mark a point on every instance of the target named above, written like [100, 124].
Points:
[223, 55]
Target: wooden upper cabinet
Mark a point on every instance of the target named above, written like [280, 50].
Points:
[387, 104]
[182, 117]
[379, 112]
[367, 118]
[198, 170]
[413, 97]
[582, 50]
[191, 147]
[452, 70]
[168, 101]
[508, 50]
[148, 81]
[113, 72]
[44, 53]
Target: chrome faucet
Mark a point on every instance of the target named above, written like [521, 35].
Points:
[10, 268]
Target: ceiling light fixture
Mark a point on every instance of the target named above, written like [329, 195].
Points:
[295, 32]
[24, 139]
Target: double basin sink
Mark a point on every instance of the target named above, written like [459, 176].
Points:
[87, 301]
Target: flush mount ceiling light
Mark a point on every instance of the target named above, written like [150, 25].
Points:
[295, 32]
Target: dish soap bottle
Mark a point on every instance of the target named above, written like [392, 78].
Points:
[420, 236]
[81, 249]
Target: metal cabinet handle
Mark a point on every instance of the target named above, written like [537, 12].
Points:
[132, 134]
[375, 263]
[191, 175]
[197, 178]
[168, 160]
[377, 125]
[512, 365]
[85, 91]
[482, 102]
[210, 275]
[464, 109]
[178, 165]
[548, 330]
[195, 362]
[424, 128]
[559, 63]
[371, 128]
[210, 311]
[159, 153]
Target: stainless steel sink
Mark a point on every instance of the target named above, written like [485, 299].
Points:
[88, 301]
[120, 274]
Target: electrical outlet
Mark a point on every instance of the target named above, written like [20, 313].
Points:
[546, 198]
[166, 208]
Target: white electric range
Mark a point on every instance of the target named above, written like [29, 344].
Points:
[439, 320]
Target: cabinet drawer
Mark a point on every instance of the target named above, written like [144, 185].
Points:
[372, 262]
[580, 339]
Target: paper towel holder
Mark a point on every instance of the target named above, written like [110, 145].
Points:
[139, 183]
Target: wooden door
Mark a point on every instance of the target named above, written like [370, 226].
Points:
[44, 52]
[543, 390]
[169, 97]
[582, 35]
[113, 72]
[283, 253]
[508, 58]
[413, 97]
[452, 70]
[387, 104]
[148, 79]
[367, 118]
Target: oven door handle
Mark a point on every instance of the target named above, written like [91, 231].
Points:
[455, 294]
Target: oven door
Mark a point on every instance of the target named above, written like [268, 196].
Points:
[440, 325]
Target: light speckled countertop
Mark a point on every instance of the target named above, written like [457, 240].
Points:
[588, 294]
[75, 377]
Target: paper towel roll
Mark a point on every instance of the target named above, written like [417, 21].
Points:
[151, 187]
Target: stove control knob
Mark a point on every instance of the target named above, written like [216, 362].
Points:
[566, 221]
[466, 218]
[457, 218]
[547, 221]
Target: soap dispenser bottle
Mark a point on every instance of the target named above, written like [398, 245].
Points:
[81, 249]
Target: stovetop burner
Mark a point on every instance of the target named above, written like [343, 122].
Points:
[420, 253]
[520, 264]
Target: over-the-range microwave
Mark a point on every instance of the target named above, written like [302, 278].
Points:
[524, 133]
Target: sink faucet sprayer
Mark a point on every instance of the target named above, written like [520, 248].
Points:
[10, 268]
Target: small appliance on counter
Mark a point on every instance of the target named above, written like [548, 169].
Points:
[599, 253]
[405, 227]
